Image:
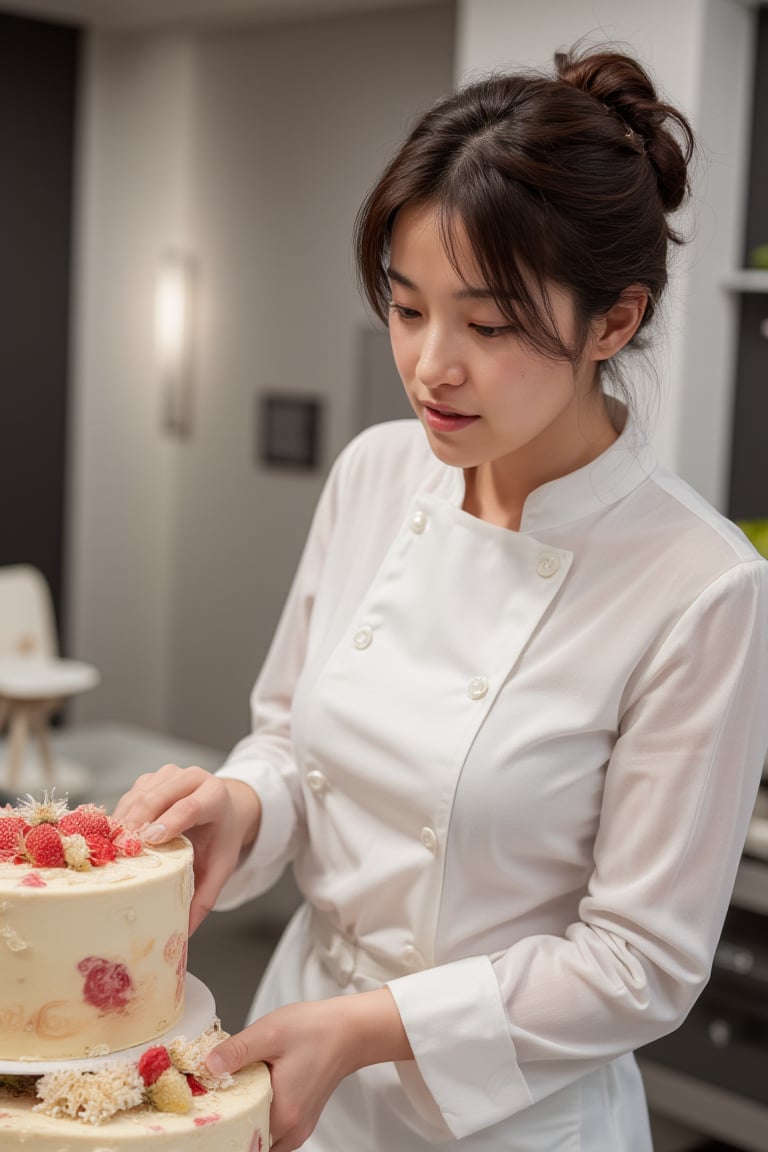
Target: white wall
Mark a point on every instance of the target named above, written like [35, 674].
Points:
[255, 148]
[700, 54]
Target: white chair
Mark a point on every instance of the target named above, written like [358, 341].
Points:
[34, 679]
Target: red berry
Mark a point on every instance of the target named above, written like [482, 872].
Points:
[12, 829]
[86, 820]
[195, 1087]
[108, 985]
[101, 850]
[128, 843]
[44, 847]
[153, 1063]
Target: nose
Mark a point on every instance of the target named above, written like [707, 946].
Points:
[439, 361]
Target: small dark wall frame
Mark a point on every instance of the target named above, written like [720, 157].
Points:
[289, 434]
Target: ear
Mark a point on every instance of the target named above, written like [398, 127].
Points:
[616, 328]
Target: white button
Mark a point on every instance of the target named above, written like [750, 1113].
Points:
[317, 780]
[363, 638]
[429, 839]
[477, 687]
[412, 957]
[418, 521]
[547, 564]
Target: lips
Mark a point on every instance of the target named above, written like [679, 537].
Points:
[447, 419]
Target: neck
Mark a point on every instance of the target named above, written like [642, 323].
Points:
[496, 490]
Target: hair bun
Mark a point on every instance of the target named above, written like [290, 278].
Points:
[623, 86]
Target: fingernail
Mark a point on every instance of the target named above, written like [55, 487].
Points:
[215, 1064]
[154, 834]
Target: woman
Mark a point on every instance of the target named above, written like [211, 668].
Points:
[512, 723]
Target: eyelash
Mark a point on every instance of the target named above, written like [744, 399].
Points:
[492, 331]
[403, 312]
[486, 331]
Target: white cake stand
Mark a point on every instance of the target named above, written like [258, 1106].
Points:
[199, 1013]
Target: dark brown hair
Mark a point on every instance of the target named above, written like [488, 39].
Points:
[565, 179]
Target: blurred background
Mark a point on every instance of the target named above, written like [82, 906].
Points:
[185, 349]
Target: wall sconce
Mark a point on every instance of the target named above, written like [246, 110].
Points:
[174, 332]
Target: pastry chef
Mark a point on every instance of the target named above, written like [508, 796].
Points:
[511, 726]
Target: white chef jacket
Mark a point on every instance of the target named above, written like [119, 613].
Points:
[513, 772]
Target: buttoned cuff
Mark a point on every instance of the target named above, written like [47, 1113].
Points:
[263, 864]
[456, 1023]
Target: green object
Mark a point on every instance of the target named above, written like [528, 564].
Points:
[758, 257]
[757, 532]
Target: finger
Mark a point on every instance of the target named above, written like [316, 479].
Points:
[167, 803]
[141, 790]
[194, 801]
[235, 1053]
[140, 785]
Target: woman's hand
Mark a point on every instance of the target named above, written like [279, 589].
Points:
[221, 817]
[310, 1048]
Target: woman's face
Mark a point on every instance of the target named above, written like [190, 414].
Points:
[484, 397]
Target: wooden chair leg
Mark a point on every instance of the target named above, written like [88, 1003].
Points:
[46, 756]
[17, 742]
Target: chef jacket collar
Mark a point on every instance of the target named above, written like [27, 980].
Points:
[626, 464]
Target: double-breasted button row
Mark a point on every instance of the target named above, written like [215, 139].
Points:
[547, 564]
[362, 638]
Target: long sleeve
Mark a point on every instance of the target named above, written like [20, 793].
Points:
[492, 1034]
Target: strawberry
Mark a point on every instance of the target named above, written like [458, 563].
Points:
[12, 829]
[153, 1063]
[86, 820]
[44, 848]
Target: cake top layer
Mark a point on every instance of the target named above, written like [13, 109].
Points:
[44, 844]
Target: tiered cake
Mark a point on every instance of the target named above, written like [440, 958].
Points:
[93, 950]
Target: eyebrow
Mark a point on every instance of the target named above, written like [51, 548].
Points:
[466, 293]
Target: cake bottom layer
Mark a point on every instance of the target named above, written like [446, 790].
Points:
[235, 1119]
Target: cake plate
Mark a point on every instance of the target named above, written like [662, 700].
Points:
[198, 1015]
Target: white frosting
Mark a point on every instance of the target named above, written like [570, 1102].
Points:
[93, 960]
